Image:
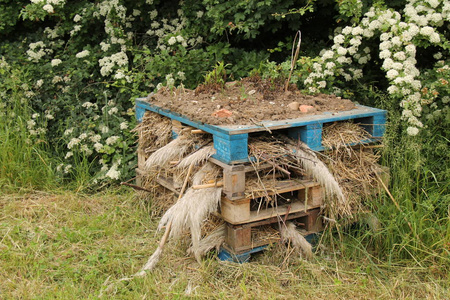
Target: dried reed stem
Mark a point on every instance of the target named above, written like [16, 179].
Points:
[154, 259]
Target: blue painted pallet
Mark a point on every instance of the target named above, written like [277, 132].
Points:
[227, 255]
[231, 141]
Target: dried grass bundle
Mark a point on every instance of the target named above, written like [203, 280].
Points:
[274, 152]
[161, 200]
[289, 233]
[154, 132]
[265, 234]
[352, 166]
[354, 170]
[341, 134]
[256, 187]
[193, 208]
[208, 172]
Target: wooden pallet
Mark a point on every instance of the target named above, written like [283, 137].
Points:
[231, 141]
[238, 238]
[302, 194]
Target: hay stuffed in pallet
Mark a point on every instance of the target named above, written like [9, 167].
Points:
[189, 213]
[154, 132]
[354, 166]
[284, 153]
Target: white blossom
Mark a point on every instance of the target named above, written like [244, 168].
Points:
[113, 173]
[181, 75]
[68, 131]
[113, 110]
[48, 8]
[328, 54]
[73, 142]
[341, 51]
[67, 169]
[55, 62]
[123, 125]
[98, 146]
[339, 39]
[82, 54]
[412, 131]
[385, 54]
[39, 83]
[399, 55]
[112, 140]
[172, 40]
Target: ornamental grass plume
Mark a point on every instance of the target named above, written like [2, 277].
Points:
[212, 241]
[174, 150]
[289, 233]
[192, 209]
[319, 171]
[198, 157]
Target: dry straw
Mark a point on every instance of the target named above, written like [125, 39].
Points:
[320, 172]
[353, 166]
[174, 150]
[285, 154]
[154, 132]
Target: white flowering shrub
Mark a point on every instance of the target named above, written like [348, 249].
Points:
[422, 24]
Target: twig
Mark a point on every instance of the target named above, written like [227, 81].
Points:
[299, 33]
[261, 124]
[286, 216]
[136, 187]
[275, 166]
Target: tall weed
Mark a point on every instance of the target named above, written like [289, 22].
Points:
[414, 214]
[24, 153]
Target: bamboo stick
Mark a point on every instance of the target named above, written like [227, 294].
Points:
[197, 131]
[207, 185]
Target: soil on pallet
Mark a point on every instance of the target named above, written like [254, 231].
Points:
[245, 102]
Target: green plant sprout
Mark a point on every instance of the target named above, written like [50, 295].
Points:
[217, 77]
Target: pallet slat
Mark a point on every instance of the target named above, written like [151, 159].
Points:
[239, 211]
[238, 238]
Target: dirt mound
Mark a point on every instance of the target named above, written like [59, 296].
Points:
[247, 101]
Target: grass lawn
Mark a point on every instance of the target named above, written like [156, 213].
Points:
[71, 246]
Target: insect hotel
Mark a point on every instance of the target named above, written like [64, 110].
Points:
[239, 188]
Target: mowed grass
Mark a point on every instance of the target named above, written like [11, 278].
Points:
[69, 246]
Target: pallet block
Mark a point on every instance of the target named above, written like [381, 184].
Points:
[238, 238]
[231, 142]
[304, 195]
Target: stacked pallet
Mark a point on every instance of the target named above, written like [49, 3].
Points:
[290, 195]
[245, 211]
